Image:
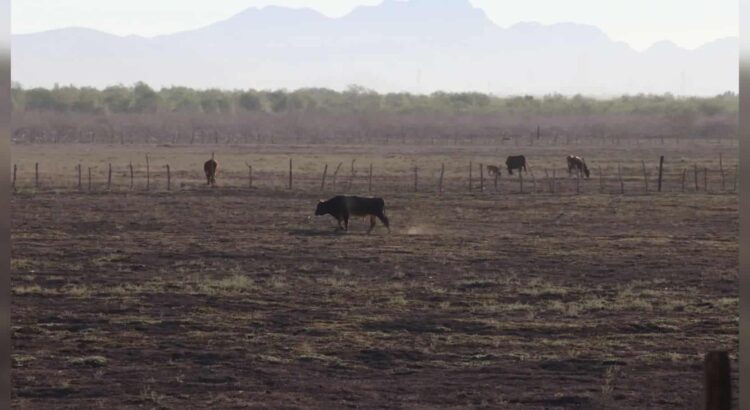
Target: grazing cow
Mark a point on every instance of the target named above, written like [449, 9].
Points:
[342, 207]
[211, 167]
[516, 162]
[578, 164]
[493, 170]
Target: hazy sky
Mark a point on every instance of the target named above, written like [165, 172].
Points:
[640, 23]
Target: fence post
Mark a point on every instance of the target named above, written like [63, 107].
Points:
[131, 175]
[578, 183]
[684, 174]
[601, 180]
[148, 174]
[335, 173]
[440, 183]
[619, 175]
[718, 381]
[661, 166]
[369, 179]
[481, 178]
[695, 174]
[549, 181]
[89, 181]
[323, 179]
[290, 173]
[721, 170]
[416, 177]
[351, 175]
[36, 175]
[471, 182]
[533, 182]
[15, 170]
[734, 181]
[645, 176]
[497, 175]
[169, 179]
[109, 177]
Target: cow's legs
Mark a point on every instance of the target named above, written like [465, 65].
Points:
[372, 223]
[346, 223]
[384, 220]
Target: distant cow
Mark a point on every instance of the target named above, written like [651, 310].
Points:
[578, 164]
[493, 170]
[516, 162]
[342, 207]
[211, 167]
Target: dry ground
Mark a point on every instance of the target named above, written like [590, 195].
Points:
[238, 298]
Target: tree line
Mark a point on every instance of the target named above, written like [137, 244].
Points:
[140, 98]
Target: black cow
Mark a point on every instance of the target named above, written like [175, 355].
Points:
[516, 162]
[211, 167]
[342, 207]
[578, 164]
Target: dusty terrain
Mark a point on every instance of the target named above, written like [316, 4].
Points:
[239, 298]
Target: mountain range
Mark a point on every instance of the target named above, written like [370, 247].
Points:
[418, 46]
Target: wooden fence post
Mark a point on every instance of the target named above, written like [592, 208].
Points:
[695, 174]
[89, 180]
[290, 173]
[80, 187]
[416, 178]
[533, 182]
[36, 175]
[684, 175]
[645, 176]
[721, 170]
[109, 177]
[481, 178]
[148, 174]
[369, 179]
[351, 175]
[335, 173]
[601, 180]
[718, 381]
[661, 166]
[15, 170]
[734, 181]
[131, 175]
[578, 183]
[471, 182]
[619, 176]
[169, 179]
[440, 183]
[323, 179]
[549, 181]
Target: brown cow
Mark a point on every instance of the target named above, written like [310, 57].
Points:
[493, 170]
[211, 168]
[578, 164]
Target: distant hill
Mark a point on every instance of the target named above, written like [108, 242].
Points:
[416, 46]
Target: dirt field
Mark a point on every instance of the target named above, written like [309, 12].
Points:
[240, 298]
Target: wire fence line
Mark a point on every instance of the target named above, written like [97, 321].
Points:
[473, 177]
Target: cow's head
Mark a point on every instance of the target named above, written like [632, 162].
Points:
[320, 210]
